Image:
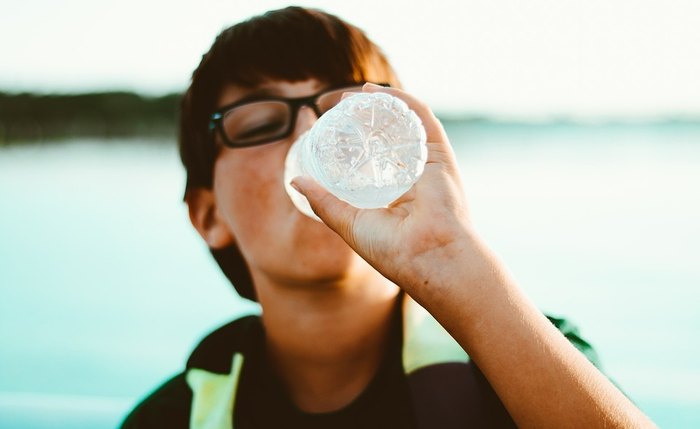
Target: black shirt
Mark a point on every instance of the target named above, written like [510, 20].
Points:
[263, 401]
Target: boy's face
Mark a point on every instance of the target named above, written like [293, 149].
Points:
[279, 243]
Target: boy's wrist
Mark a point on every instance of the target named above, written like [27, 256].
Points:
[454, 271]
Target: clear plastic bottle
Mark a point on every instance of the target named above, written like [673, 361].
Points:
[368, 150]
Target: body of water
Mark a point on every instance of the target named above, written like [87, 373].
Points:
[105, 287]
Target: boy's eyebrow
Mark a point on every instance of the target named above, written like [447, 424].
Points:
[257, 93]
[263, 91]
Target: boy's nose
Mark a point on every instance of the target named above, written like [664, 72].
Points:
[305, 120]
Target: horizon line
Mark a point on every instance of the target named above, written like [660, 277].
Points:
[448, 115]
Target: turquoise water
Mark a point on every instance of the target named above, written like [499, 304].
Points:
[105, 287]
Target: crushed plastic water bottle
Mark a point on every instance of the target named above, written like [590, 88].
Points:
[368, 150]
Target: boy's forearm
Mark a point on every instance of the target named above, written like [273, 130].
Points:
[543, 381]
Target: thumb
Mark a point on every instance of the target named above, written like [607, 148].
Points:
[337, 214]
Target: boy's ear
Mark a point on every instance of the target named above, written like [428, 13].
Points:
[206, 219]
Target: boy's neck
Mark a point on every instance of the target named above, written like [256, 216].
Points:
[327, 342]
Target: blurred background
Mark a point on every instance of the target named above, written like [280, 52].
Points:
[576, 124]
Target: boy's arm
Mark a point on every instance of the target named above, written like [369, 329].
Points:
[426, 244]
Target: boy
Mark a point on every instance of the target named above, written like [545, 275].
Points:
[397, 317]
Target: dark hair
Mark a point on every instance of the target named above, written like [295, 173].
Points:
[290, 44]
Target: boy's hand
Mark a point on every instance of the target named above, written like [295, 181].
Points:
[412, 240]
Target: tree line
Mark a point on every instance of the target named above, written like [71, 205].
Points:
[40, 117]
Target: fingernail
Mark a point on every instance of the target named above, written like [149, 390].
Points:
[370, 85]
[295, 185]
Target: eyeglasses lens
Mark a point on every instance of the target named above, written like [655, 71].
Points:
[257, 121]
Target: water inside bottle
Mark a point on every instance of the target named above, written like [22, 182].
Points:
[368, 151]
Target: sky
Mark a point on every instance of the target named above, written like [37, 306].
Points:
[593, 58]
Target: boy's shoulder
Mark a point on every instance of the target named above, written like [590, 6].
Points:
[169, 405]
[215, 351]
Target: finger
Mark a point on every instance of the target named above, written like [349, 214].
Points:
[434, 130]
[338, 215]
[348, 94]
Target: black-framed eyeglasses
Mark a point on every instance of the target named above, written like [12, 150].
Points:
[260, 120]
